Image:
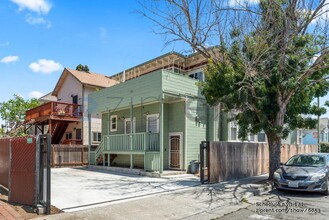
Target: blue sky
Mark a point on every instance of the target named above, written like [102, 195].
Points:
[40, 37]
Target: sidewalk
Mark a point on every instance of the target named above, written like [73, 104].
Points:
[8, 213]
[198, 202]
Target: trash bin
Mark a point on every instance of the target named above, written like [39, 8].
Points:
[195, 166]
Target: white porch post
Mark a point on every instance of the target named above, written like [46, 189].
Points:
[161, 133]
[108, 133]
[131, 132]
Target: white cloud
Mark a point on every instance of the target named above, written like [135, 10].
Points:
[45, 66]
[37, 20]
[9, 59]
[39, 6]
[35, 94]
[5, 44]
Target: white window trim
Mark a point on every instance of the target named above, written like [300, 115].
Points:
[68, 133]
[233, 124]
[134, 128]
[96, 141]
[147, 121]
[265, 137]
[116, 123]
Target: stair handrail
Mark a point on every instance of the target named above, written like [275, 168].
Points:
[99, 150]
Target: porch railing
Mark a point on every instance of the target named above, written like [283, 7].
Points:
[58, 109]
[132, 142]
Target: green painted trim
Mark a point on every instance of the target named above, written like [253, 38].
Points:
[161, 132]
[125, 152]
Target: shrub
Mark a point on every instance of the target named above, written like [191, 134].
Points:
[324, 147]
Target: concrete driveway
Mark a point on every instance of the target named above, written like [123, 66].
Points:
[81, 188]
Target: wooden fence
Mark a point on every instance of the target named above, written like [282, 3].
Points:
[69, 155]
[231, 160]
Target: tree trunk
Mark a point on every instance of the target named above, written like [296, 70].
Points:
[274, 142]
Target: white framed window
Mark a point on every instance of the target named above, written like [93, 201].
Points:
[152, 123]
[114, 123]
[233, 128]
[68, 135]
[97, 137]
[198, 75]
[128, 125]
[261, 137]
[251, 138]
[299, 136]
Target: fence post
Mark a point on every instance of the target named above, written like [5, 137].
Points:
[52, 157]
[82, 156]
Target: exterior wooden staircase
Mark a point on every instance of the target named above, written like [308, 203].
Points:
[58, 132]
[99, 160]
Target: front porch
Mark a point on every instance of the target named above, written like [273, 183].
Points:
[143, 143]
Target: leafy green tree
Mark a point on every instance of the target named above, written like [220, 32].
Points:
[272, 63]
[83, 68]
[13, 112]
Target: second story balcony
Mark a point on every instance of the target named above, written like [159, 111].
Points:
[54, 111]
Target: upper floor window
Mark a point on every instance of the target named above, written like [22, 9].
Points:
[197, 75]
[114, 123]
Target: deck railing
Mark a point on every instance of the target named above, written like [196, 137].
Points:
[57, 109]
[132, 142]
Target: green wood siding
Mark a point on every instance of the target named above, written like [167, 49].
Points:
[104, 124]
[139, 114]
[124, 160]
[179, 84]
[147, 87]
[196, 128]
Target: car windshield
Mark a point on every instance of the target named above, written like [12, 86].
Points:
[306, 161]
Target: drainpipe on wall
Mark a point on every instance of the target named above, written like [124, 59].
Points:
[83, 113]
[161, 133]
[185, 136]
[89, 136]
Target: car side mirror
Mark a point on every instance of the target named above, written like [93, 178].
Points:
[281, 164]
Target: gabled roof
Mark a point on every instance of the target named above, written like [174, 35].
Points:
[48, 98]
[88, 79]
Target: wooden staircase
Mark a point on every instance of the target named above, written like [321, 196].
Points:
[99, 160]
[58, 132]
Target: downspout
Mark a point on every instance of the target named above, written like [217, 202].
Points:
[83, 112]
[89, 137]
[185, 135]
[161, 133]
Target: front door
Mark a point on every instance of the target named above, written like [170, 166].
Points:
[174, 152]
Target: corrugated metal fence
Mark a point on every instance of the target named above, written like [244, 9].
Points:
[233, 160]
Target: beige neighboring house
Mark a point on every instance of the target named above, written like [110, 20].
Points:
[64, 110]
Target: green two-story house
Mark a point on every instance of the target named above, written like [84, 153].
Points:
[156, 118]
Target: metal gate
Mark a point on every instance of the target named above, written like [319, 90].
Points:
[42, 171]
[204, 162]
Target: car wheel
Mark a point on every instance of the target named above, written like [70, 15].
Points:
[326, 191]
